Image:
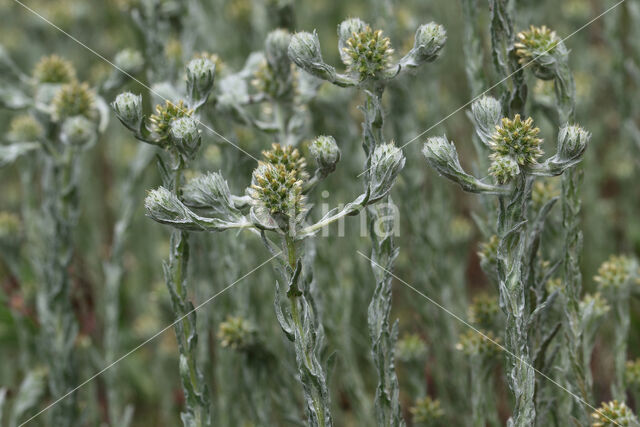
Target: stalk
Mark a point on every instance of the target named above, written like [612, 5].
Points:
[383, 255]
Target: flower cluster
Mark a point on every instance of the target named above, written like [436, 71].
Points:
[632, 372]
[25, 128]
[411, 347]
[612, 414]
[488, 252]
[472, 343]
[515, 143]
[236, 333]
[54, 69]
[483, 310]
[161, 121]
[288, 157]
[367, 53]
[534, 42]
[597, 303]
[614, 272]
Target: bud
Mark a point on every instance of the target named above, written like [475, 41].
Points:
[25, 128]
[614, 413]
[73, 99]
[472, 343]
[54, 69]
[128, 108]
[540, 46]
[326, 153]
[614, 273]
[163, 206]
[411, 348]
[442, 155]
[276, 47]
[487, 113]
[346, 30]
[518, 140]
[504, 169]
[78, 131]
[237, 333]
[160, 122]
[483, 310]
[367, 54]
[304, 51]
[210, 191]
[386, 163]
[426, 411]
[572, 141]
[200, 77]
[185, 135]
[129, 60]
[429, 40]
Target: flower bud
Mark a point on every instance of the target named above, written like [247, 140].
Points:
[367, 54]
[614, 413]
[572, 141]
[24, 128]
[386, 162]
[429, 40]
[200, 77]
[487, 113]
[426, 411]
[163, 206]
[78, 131]
[304, 51]
[276, 47]
[73, 99]
[326, 153]
[411, 348]
[129, 60]
[442, 155]
[237, 333]
[185, 135]
[54, 69]
[504, 169]
[128, 108]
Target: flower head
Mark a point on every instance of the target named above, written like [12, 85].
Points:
[488, 252]
[73, 99]
[10, 227]
[54, 69]
[128, 108]
[325, 151]
[504, 169]
[595, 304]
[534, 42]
[367, 53]
[160, 123]
[614, 273]
[129, 60]
[632, 372]
[237, 333]
[289, 157]
[472, 343]
[411, 347]
[517, 139]
[612, 414]
[25, 128]
[483, 310]
[426, 410]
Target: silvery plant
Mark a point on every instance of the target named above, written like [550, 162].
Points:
[370, 65]
[60, 119]
[515, 152]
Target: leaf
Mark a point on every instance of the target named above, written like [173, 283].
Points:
[31, 390]
[10, 153]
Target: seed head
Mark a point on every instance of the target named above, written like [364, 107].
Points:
[472, 343]
[614, 273]
[73, 99]
[483, 310]
[367, 53]
[426, 410]
[612, 414]
[517, 139]
[54, 69]
[237, 333]
[160, 123]
[411, 348]
[289, 157]
[25, 128]
[504, 169]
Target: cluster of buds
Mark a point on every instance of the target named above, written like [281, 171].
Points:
[537, 45]
[289, 158]
[411, 348]
[483, 310]
[472, 343]
[25, 128]
[632, 373]
[426, 410]
[542, 192]
[160, 123]
[55, 70]
[367, 53]
[612, 414]
[488, 253]
[325, 151]
[10, 228]
[515, 143]
[237, 333]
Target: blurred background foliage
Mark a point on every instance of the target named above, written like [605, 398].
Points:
[438, 239]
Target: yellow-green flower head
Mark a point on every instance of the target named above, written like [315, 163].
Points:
[411, 347]
[534, 42]
[10, 226]
[25, 128]
[266, 80]
[277, 191]
[289, 157]
[612, 414]
[632, 372]
[488, 252]
[54, 69]
[597, 303]
[517, 139]
[367, 53]
[220, 66]
[74, 99]
[472, 343]
[503, 169]
[483, 310]
[614, 273]
[426, 410]
[236, 333]
[161, 121]
[542, 192]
